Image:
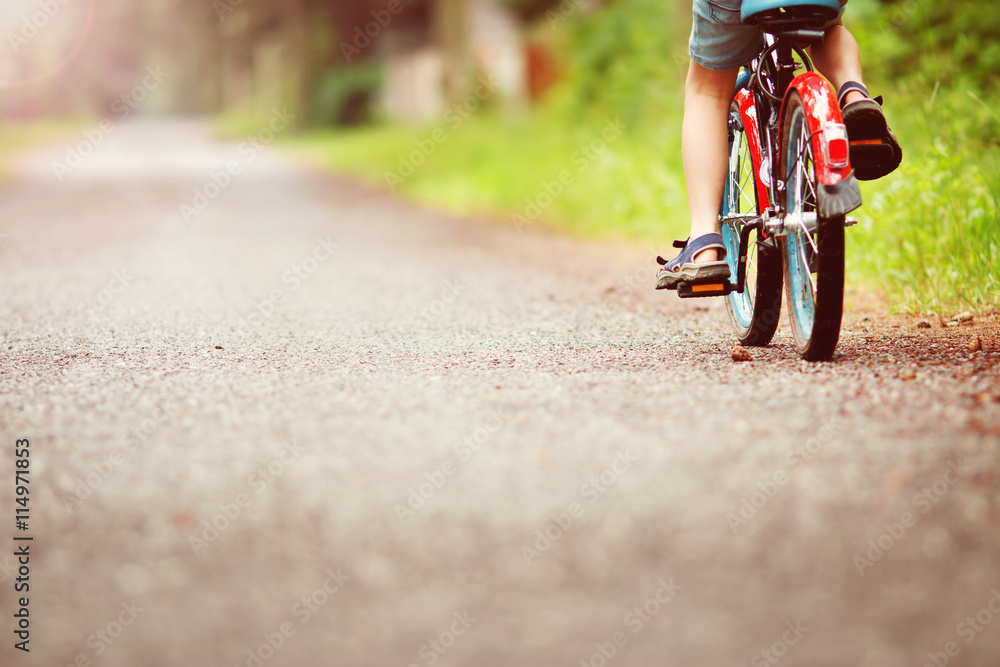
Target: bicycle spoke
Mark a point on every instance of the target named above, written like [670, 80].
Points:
[802, 166]
[804, 170]
[809, 237]
[807, 161]
[812, 191]
[805, 265]
[743, 193]
[746, 169]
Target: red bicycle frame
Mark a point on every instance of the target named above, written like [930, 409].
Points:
[748, 114]
[826, 126]
[838, 192]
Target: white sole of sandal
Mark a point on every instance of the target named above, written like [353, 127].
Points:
[693, 273]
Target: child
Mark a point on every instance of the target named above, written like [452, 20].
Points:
[720, 43]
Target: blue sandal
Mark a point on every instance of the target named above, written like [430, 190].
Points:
[683, 269]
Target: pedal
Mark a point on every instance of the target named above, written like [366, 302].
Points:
[868, 142]
[698, 290]
[870, 149]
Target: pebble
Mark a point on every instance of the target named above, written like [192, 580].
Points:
[923, 324]
[976, 345]
[740, 353]
[964, 316]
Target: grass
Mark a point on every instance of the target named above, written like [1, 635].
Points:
[16, 136]
[595, 178]
[930, 233]
[931, 237]
[234, 126]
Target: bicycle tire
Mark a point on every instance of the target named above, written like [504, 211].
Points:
[812, 262]
[754, 312]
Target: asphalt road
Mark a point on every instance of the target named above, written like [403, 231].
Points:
[304, 423]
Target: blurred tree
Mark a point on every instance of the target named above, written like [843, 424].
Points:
[453, 28]
[532, 10]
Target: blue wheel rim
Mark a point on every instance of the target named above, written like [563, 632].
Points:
[800, 293]
[801, 289]
[742, 306]
[741, 303]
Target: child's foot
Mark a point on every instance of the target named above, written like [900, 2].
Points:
[699, 261]
[874, 149]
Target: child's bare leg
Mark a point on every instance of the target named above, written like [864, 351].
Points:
[838, 58]
[705, 146]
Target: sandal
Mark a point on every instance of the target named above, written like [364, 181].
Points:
[682, 268]
[874, 149]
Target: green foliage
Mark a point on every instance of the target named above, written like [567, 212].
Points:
[367, 152]
[627, 60]
[625, 186]
[930, 233]
[932, 236]
[21, 135]
[346, 95]
[939, 41]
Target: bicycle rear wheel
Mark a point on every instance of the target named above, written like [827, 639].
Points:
[754, 312]
[813, 249]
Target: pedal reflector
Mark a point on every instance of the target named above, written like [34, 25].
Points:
[688, 291]
[867, 142]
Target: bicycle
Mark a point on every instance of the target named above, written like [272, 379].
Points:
[789, 187]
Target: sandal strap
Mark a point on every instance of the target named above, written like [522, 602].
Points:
[677, 244]
[854, 85]
[847, 88]
[692, 248]
[713, 240]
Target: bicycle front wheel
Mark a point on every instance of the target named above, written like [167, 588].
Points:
[754, 312]
[812, 247]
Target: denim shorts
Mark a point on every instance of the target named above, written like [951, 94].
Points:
[719, 39]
